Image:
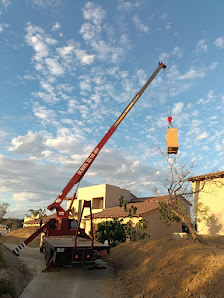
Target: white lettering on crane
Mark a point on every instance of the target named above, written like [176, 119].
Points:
[96, 150]
[58, 200]
[88, 161]
[92, 155]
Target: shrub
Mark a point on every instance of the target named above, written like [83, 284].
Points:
[113, 231]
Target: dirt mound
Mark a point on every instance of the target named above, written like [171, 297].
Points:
[169, 268]
[15, 275]
[18, 236]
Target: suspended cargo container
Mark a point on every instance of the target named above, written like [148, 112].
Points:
[171, 141]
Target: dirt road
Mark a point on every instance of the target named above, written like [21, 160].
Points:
[69, 282]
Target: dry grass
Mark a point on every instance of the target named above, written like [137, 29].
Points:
[169, 268]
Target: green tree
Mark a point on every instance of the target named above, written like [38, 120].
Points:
[40, 212]
[3, 210]
[166, 215]
[142, 223]
[113, 231]
[142, 227]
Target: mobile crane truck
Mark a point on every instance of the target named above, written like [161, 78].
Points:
[60, 249]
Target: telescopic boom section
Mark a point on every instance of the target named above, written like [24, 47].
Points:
[85, 166]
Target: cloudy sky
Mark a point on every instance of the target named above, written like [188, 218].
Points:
[68, 70]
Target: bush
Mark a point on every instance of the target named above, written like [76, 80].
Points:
[113, 231]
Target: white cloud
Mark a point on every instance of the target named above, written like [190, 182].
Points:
[54, 67]
[93, 12]
[122, 169]
[56, 27]
[1, 28]
[127, 5]
[72, 106]
[45, 116]
[219, 42]
[31, 143]
[83, 57]
[178, 108]
[25, 196]
[107, 49]
[164, 57]
[202, 46]
[139, 25]
[36, 39]
[46, 3]
[168, 26]
[89, 31]
[202, 135]
[5, 3]
[164, 16]
[192, 73]
[67, 141]
[218, 147]
[3, 136]
[64, 51]
[213, 66]
[178, 52]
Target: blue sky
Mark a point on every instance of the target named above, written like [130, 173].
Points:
[68, 70]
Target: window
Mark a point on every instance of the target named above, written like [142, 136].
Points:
[97, 203]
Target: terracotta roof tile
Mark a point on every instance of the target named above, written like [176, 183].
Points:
[207, 176]
[142, 207]
[158, 198]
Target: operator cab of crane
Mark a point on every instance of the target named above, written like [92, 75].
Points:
[171, 138]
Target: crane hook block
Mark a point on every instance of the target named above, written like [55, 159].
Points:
[170, 119]
[172, 141]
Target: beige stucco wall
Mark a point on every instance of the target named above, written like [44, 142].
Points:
[157, 229]
[110, 194]
[29, 218]
[31, 225]
[212, 196]
[99, 220]
[113, 194]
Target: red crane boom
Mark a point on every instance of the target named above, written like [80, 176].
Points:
[62, 220]
[87, 163]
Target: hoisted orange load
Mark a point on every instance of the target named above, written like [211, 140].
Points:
[171, 138]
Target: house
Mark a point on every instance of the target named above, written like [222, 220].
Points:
[209, 190]
[36, 222]
[105, 206]
[147, 209]
[102, 196]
